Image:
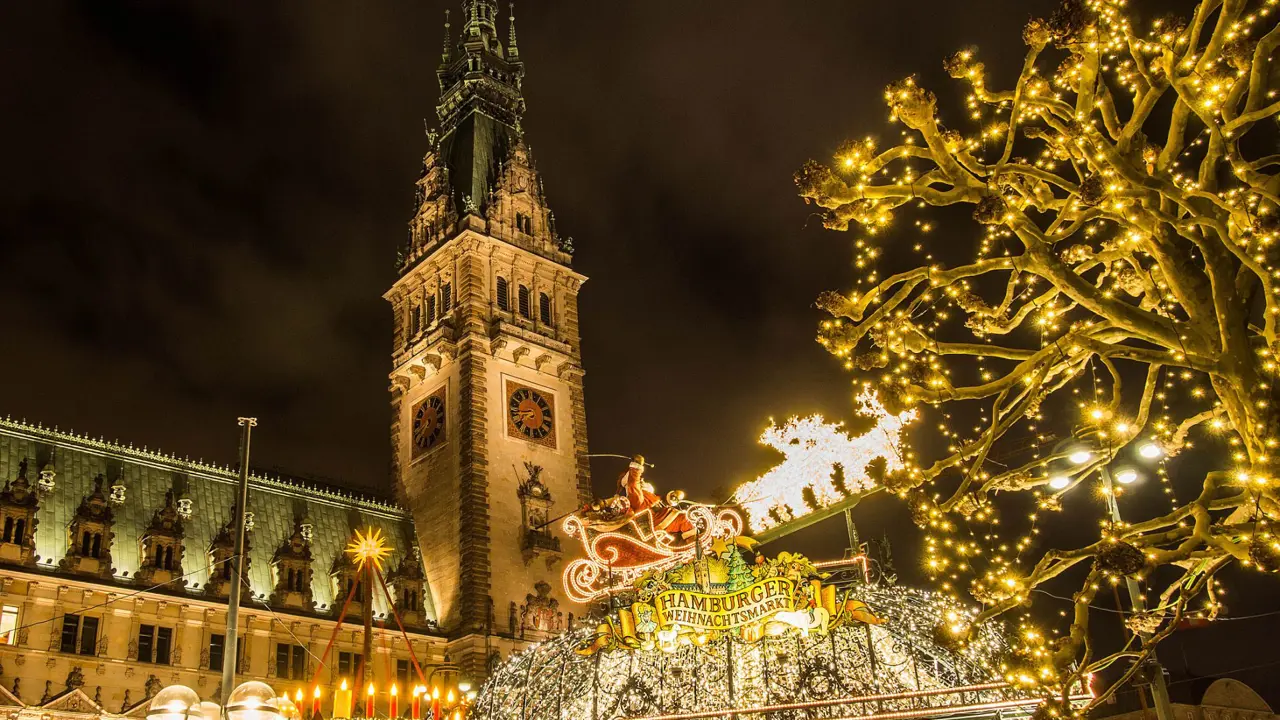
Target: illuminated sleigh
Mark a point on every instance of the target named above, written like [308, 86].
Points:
[618, 552]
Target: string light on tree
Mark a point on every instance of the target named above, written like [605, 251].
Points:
[1113, 190]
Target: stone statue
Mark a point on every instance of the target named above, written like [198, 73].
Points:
[75, 678]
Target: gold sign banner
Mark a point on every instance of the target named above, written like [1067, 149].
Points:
[702, 611]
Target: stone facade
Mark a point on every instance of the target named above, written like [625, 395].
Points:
[487, 376]
[96, 639]
[113, 559]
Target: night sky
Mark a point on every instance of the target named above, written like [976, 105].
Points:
[201, 203]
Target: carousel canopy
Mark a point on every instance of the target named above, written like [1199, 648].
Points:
[892, 671]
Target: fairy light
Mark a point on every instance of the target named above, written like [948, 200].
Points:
[1095, 247]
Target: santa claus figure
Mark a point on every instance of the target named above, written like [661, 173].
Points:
[640, 496]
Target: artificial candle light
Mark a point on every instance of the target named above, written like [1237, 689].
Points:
[368, 702]
[315, 701]
[342, 701]
[395, 702]
[415, 709]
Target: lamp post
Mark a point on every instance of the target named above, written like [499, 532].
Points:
[1159, 690]
[1148, 451]
[233, 596]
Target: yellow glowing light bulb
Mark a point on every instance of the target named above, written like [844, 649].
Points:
[369, 691]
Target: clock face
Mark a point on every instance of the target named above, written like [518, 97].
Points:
[531, 415]
[428, 423]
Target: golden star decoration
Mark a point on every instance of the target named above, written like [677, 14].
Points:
[369, 546]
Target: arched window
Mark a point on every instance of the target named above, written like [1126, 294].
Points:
[525, 310]
[504, 295]
[288, 583]
[8, 530]
[20, 531]
[168, 558]
[97, 545]
[544, 308]
[85, 543]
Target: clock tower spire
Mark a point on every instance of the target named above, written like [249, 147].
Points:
[488, 425]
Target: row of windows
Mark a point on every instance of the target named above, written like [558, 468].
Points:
[295, 580]
[163, 558]
[443, 301]
[91, 544]
[80, 637]
[524, 301]
[524, 305]
[15, 531]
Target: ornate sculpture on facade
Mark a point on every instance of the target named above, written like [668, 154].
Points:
[221, 550]
[119, 491]
[541, 613]
[75, 678]
[153, 686]
[408, 583]
[48, 474]
[162, 545]
[537, 540]
[90, 534]
[18, 505]
[291, 565]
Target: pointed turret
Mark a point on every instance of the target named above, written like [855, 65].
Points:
[513, 50]
[480, 106]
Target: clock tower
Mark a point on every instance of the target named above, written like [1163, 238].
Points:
[488, 427]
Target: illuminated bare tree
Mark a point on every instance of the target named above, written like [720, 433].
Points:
[1122, 297]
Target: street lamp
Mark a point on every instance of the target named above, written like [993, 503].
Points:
[1126, 476]
[1080, 457]
[1148, 450]
[253, 700]
[176, 702]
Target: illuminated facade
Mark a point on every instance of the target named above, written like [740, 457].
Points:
[113, 580]
[488, 423]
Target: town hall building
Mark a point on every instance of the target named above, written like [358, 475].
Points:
[113, 557]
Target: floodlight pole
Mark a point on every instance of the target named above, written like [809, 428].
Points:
[230, 645]
[1159, 690]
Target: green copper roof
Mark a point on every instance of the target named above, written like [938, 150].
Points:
[148, 475]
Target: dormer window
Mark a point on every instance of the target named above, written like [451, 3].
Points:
[18, 505]
[162, 545]
[292, 565]
[89, 541]
[524, 223]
